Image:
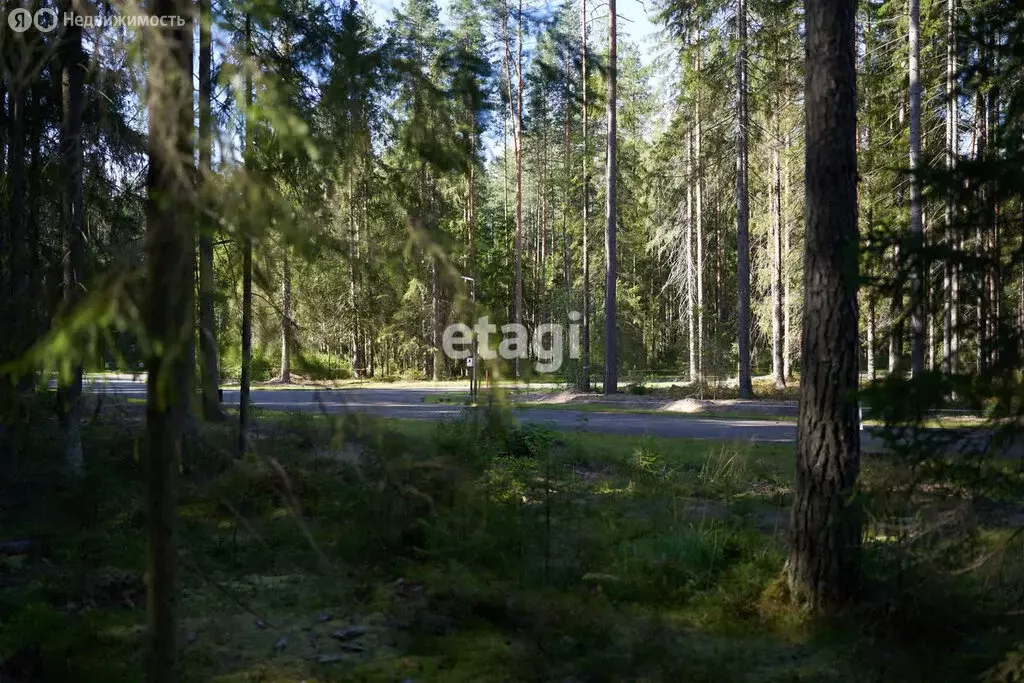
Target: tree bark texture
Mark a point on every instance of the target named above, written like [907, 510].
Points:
[825, 529]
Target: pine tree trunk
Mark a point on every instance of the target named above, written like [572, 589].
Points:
[504, 169]
[4, 226]
[896, 329]
[698, 133]
[825, 529]
[18, 245]
[73, 66]
[208, 364]
[917, 293]
[1020, 300]
[688, 254]
[872, 341]
[515, 103]
[471, 198]
[543, 237]
[787, 250]
[286, 320]
[980, 152]
[567, 184]
[170, 252]
[778, 358]
[585, 322]
[995, 266]
[3, 156]
[11, 159]
[611, 376]
[437, 360]
[952, 143]
[34, 283]
[246, 372]
[353, 273]
[742, 206]
[719, 289]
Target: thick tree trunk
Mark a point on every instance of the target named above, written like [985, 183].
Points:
[825, 529]
[209, 369]
[918, 267]
[742, 206]
[611, 358]
[73, 65]
[170, 252]
[246, 372]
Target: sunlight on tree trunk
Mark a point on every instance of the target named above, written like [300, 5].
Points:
[585, 256]
[688, 257]
[610, 334]
[286, 319]
[699, 206]
[778, 362]
[742, 206]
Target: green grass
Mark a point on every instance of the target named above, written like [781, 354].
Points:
[487, 552]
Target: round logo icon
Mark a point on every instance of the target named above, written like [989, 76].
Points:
[19, 20]
[45, 19]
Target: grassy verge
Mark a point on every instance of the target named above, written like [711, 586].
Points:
[351, 548]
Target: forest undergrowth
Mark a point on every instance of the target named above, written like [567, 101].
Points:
[345, 548]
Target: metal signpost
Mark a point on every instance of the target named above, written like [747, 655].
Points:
[471, 361]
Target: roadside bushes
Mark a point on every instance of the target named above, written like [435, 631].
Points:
[319, 366]
[231, 365]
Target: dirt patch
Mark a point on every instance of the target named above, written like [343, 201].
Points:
[692, 406]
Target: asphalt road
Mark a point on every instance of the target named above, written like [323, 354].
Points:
[408, 403]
